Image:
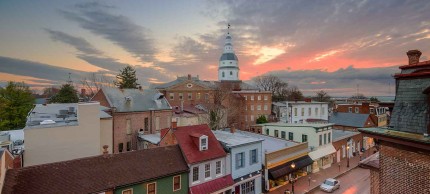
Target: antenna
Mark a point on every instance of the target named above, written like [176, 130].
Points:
[69, 81]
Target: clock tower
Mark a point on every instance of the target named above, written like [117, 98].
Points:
[228, 68]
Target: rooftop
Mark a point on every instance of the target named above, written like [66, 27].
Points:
[370, 162]
[342, 134]
[231, 140]
[304, 102]
[313, 125]
[96, 174]
[413, 137]
[348, 119]
[151, 138]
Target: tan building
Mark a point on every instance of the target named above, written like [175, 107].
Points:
[58, 132]
[134, 111]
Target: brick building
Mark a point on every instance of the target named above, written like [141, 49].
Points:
[377, 113]
[404, 148]
[347, 144]
[134, 111]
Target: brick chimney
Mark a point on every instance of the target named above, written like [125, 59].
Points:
[232, 129]
[189, 76]
[308, 100]
[174, 125]
[105, 151]
[83, 92]
[414, 56]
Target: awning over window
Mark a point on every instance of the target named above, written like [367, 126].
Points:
[286, 169]
[322, 151]
[213, 186]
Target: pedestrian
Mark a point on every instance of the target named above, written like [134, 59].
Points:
[309, 179]
[339, 166]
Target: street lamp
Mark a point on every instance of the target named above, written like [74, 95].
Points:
[347, 156]
[293, 179]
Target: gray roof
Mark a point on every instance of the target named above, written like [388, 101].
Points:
[230, 140]
[342, 134]
[151, 138]
[348, 119]
[246, 86]
[135, 100]
[313, 125]
[228, 56]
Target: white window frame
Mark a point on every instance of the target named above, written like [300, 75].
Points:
[252, 117]
[206, 171]
[266, 97]
[250, 156]
[252, 97]
[220, 168]
[357, 110]
[173, 182]
[258, 107]
[130, 189]
[203, 147]
[259, 97]
[266, 107]
[252, 107]
[147, 186]
[198, 174]
[246, 97]
[350, 109]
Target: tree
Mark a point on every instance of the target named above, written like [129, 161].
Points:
[217, 113]
[294, 94]
[274, 84]
[261, 119]
[16, 101]
[373, 99]
[67, 94]
[93, 83]
[322, 96]
[127, 78]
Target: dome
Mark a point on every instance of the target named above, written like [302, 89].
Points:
[228, 37]
[228, 56]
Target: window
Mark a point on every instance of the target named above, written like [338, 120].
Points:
[206, 96]
[146, 123]
[203, 142]
[128, 126]
[231, 72]
[316, 111]
[195, 174]
[252, 97]
[259, 97]
[276, 133]
[320, 139]
[253, 157]
[246, 97]
[349, 109]
[181, 97]
[120, 147]
[240, 160]
[223, 74]
[252, 107]
[176, 183]
[151, 188]
[128, 191]
[246, 107]
[304, 138]
[267, 131]
[265, 107]
[157, 124]
[283, 134]
[128, 146]
[295, 111]
[265, 97]
[322, 111]
[248, 187]
[309, 111]
[303, 112]
[329, 137]
[172, 96]
[258, 107]
[290, 136]
[325, 138]
[207, 170]
[198, 96]
[190, 96]
[218, 167]
[356, 110]
[246, 118]
[252, 117]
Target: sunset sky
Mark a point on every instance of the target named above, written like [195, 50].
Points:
[312, 44]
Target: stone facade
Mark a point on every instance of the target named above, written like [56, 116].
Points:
[403, 170]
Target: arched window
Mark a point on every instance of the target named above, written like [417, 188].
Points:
[231, 72]
[223, 75]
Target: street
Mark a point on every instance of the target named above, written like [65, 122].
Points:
[354, 181]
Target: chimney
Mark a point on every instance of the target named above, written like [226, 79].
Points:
[83, 92]
[232, 129]
[414, 56]
[308, 100]
[105, 151]
[174, 125]
[189, 76]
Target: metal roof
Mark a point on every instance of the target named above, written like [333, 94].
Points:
[230, 140]
[348, 119]
[228, 56]
[135, 100]
[342, 134]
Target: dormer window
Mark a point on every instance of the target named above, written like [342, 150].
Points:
[203, 142]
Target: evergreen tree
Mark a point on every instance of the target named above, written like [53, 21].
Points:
[67, 94]
[127, 78]
[16, 101]
[262, 119]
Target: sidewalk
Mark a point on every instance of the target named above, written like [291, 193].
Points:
[302, 184]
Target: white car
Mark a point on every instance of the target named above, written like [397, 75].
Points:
[329, 185]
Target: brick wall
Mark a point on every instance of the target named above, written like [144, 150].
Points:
[403, 170]
[374, 182]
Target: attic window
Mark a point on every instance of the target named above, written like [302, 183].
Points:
[203, 142]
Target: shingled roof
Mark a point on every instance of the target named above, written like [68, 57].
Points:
[96, 174]
[349, 119]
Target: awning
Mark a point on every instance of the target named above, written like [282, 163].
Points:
[286, 169]
[323, 151]
[213, 186]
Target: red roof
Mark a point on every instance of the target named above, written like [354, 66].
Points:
[420, 64]
[212, 186]
[184, 136]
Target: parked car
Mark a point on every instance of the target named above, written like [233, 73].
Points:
[329, 185]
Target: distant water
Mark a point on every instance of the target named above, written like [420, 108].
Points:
[380, 98]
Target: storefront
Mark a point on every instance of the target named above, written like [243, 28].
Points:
[279, 175]
[322, 157]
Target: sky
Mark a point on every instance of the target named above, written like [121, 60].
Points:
[336, 46]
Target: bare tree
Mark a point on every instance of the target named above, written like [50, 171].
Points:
[322, 96]
[272, 83]
[94, 82]
[294, 94]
